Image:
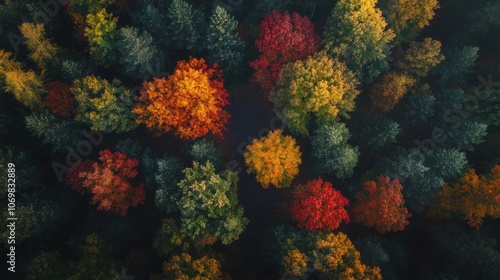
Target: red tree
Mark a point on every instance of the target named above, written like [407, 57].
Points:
[109, 181]
[59, 99]
[317, 205]
[283, 38]
[380, 205]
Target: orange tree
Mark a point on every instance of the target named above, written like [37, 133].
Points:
[109, 181]
[189, 102]
[317, 205]
[274, 159]
[474, 197]
[380, 205]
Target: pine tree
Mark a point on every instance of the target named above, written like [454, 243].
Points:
[139, 55]
[41, 51]
[27, 87]
[224, 46]
[378, 132]
[185, 26]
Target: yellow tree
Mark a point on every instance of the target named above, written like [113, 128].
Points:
[184, 267]
[387, 92]
[318, 87]
[41, 51]
[274, 159]
[421, 57]
[474, 197]
[295, 263]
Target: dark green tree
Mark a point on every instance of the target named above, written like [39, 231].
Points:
[186, 25]
[417, 109]
[446, 163]
[224, 46]
[465, 134]
[169, 239]
[139, 55]
[457, 64]
[378, 132]
[331, 152]
[49, 265]
[76, 69]
[209, 205]
[204, 150]
[152, 17]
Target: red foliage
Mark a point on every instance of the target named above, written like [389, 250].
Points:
[283, 38]
[380, 205]
[59, 99]
[317, 205]
[109, 181]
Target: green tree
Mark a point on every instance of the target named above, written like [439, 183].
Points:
[103, 105]
[139, 55]
[319, 88]
[224, 46]
[53, 130]
[331, 152]
[488, 110]
[152, 16]
[209, 205]
[203, 150]
[76, 69]
[466, 134]
[41, 50]
[446, 163]
[49, 265]
[378, 132]
[458, 63]
[186, 24]
[356, 32]
[417, 109]
[102, 36]
[27, 178]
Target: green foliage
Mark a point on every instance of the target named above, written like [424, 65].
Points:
[417, 109]
[76, 69]
[90, 6]
[209, 204]
[53, 130]
[331, 152]
[458, 63]
[49, 265]
[318, 88]
[103, 105]
[224, 46]
[465, 134]
[27, 175]
[102, 35]
[152, 17]
[167, 175]
[169, 239]
[186, 25]
[372, 251]
[204, 150]
[488, 109]
[446, 163]
[356, 32]
[378, 132]
[139, 55]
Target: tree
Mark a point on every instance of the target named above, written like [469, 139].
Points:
[204, 150]
[109, 181]
[356, 32]
[421, 57]
[27, 178]
[317, 88]
[317, 205]
[378, 132]
[418, 108]
[57, 132]
[41, 51]
[283, 38]
[295, 263]
[209, 205]
[380, 205]
[59, 99]
[185, 25]
[387, 92]
[224, 46]
[407, 18]
[473, 197]
[465, 134]
[170, 239]
[96, 260]
[446, 162]
[103, 105]
[183, 266]
[189, 102]
[458, 63]
[274, 159]
[76, 69]
[152, 17]
[102, 36]
[27, 87]
[488, 110]
[331, 152]
[48, 265]
[139, 54]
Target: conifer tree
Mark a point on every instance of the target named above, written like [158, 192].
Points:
[185, 26]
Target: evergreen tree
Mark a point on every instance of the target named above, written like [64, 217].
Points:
[152, 17]
[204, 150]
[139, 55]
[378, 132]
[331, 152]
[185, 26]
[76, 69]
[224, 46]
[417, 109]
[458, 63]
[41, 50]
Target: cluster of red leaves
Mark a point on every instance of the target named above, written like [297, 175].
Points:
[317, 205]
[59, 99]
[283, 38]
[381, 205]
[109, 181]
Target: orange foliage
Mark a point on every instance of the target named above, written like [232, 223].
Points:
[474, 196]
[189, 102]
[274, 159]
[386, 93]
[295, 263]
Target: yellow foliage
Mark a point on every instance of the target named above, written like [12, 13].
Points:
[41, 50]
[26, 87]
[274, 159]
[295, 263]
[387, 92]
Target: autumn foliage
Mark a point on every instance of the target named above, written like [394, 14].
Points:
[109, 181]
[387, 92]
[274, 159]
[380, 205]
[317, 205]
[59, 99]
[474, 197]
[283, 38]
[189, 102]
